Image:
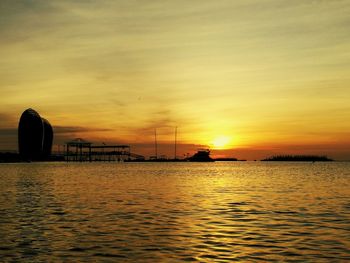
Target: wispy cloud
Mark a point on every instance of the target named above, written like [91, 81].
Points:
[76, 129]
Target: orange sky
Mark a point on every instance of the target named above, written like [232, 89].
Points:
[254, 77]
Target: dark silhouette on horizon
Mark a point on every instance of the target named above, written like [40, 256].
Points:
[48, 138]
[298, 158]
[80, 150]
[201, 156]
[35, 136]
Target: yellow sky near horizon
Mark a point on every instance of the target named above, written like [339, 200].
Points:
[255, 72]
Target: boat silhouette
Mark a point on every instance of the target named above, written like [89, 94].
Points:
[201, 156]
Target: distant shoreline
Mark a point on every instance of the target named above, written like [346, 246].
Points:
[10, 157]
[297, 158]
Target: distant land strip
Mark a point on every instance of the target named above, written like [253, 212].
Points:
[298, 158]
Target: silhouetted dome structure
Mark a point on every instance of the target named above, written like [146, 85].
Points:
[48, 138]
[35, 136]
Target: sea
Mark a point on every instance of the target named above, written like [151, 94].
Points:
[175, 212]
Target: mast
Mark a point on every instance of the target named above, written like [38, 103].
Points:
[175, 142]
[155, 142]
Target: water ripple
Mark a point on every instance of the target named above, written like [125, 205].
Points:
[221, 212]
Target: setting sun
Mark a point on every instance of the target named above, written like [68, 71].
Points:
[221, 142]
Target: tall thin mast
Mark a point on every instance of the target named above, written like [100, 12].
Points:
[175, 142]
[155, 142]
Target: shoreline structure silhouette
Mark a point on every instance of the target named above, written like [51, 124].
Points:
[35, 139]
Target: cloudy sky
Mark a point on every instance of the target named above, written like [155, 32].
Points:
[248, 77]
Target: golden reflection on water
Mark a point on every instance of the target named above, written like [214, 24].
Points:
[156, 212]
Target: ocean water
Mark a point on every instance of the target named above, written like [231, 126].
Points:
[175, 212]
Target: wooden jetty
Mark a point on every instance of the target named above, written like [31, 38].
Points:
[80, 150]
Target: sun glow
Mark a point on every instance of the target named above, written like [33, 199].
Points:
[221, 142]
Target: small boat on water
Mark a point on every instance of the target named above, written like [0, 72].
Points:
[201, 156]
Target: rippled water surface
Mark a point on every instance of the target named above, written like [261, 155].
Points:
[174, 212]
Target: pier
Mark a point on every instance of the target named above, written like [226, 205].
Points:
[80, 150]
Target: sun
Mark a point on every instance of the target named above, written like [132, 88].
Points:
[221, 142]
